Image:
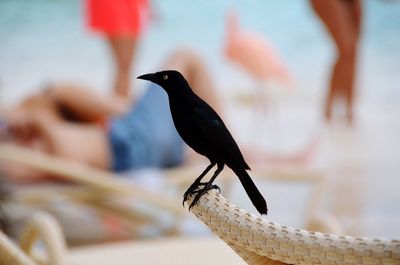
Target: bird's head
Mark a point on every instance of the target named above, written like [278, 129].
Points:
[170, 80]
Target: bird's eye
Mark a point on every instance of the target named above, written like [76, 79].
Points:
[165, 77]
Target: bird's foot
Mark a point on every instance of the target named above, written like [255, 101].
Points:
[201, 192]
[215, 187]
[191, 190]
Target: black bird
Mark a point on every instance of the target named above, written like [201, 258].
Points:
[204, 131]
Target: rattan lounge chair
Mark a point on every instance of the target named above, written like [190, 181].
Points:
[41, 226]
[105, 183]
[97, 186]
[102, 191]
[254, 239]
[259, 241]
[167, 251]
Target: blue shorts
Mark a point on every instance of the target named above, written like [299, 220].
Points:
[146, 135]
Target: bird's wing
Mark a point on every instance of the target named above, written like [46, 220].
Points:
[213, 129]
[211, 125]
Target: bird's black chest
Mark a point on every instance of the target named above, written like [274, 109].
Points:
[183, 116]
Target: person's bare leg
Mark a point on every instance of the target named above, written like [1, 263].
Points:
[195, 71]
[348, 54]
[355, 14]
[348, 86]
[343, 78]
[340, 24]
[123, 49]
[86, 103]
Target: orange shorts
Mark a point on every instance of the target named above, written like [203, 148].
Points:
[118, 18]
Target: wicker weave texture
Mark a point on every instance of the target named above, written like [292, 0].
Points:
[254, 238]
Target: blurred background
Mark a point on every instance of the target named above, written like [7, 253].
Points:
[44, 42]
[53, 36]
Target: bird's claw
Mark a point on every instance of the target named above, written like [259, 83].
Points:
[215, 187]
[194, 188]
[189, 191]
[201, 192]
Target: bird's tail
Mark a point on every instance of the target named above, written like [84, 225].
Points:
[252, 191]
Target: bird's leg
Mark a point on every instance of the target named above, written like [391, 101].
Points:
[208, 186]
[197, 182]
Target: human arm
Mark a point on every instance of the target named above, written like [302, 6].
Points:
[86, 104]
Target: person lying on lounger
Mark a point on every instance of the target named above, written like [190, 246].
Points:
[109, 132]
[112, 132]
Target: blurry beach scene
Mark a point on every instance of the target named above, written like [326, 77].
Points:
[45, 42]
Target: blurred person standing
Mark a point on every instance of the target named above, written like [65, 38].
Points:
[122, 22]
[342, 19]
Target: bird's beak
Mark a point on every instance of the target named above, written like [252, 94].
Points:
[149, 77]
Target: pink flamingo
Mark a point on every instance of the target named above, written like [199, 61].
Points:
[257, 57]
[254, 53]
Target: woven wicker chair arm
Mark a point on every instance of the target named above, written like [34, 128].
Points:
[258, 241]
